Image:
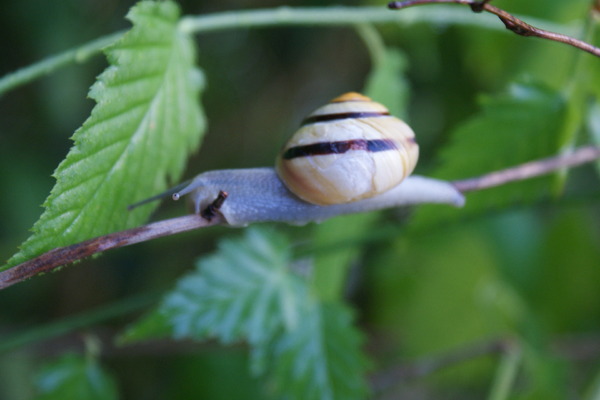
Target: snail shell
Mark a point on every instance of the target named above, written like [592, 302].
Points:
[347, 150]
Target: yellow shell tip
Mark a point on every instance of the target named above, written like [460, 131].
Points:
[350, 96]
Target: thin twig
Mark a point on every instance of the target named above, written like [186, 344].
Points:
[65, 255]
[529, 170]
[50, 64]
[511, 22]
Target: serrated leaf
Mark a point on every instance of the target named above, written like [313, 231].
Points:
[247, 291]
[243, 292]
[524, 124]
[320, 359]
[75, 377]
[146, 121]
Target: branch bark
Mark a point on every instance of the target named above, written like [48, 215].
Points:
[53, 259]
[511, 22]
[529, 170]
[64, 255]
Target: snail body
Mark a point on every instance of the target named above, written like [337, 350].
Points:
[258, 195]
[347, 150]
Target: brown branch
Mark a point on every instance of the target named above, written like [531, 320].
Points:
[64, 255]
[529, 170]
[511, 22]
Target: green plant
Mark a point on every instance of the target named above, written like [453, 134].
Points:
[495, 271]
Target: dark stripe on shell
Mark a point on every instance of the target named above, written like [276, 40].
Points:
[325, 148]
[335, 117]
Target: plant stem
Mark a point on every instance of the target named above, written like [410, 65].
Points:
[48, 65]
[373, 41]
[282, 16]
[339, 15]
[506, 373]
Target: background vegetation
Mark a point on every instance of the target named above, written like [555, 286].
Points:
[498, 300]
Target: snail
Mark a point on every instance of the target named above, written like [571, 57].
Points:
[348, 156]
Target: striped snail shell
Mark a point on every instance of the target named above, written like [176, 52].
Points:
[347, 150]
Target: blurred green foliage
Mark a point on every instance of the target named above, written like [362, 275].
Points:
[527, 273]
[74, 377]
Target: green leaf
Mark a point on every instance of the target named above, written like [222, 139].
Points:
[386, 82]
[75, 377]
[146, 121]
[320, 359]
[571, 238]
[247, 291]
[153, 326]
[524, 124]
